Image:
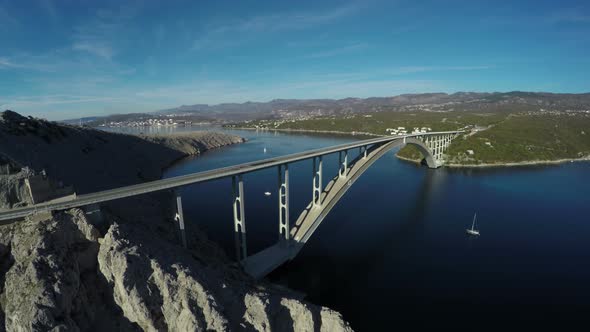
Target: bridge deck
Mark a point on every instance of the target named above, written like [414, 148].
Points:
[179, 181]
[265, 261]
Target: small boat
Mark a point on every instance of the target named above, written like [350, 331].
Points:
[265, 149]
[473, 231]
[267, 193]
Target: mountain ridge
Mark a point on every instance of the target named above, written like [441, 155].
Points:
[253, 110]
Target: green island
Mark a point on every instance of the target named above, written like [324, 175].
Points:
[493, 138]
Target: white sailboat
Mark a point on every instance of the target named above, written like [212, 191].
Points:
[473, 231]
[265, 149]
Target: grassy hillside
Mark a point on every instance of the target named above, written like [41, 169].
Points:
[523, 138]
[511, 136]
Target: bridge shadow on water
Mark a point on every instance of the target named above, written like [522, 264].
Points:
[341, 261]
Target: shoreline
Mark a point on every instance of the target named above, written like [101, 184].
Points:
[507, 164]
[348, 133]
[484, 165]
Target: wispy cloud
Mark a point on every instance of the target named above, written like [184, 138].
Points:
[62, 61]
[98, 35]
[337, 51]
[5, 63]
[422, 69]
[25, 61]
[96, 47]
[46, 100]
[234, 33]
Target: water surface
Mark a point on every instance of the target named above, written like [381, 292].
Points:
[394, 250]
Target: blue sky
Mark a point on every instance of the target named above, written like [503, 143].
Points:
[66, 59]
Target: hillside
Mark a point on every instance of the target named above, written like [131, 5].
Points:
[504, 135]
[289, 109]
[101, 159]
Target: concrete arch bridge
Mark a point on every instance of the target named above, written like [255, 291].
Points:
[354, 159]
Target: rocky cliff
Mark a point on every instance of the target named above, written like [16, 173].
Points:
[120, 268]
[93, 159]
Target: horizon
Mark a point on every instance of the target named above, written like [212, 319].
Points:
[68, 61]
[304, 99]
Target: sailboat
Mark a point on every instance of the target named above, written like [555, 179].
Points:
[473, 231]
[265, 149]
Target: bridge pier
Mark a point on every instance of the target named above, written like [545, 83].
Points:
[180, 219]
[317, 181]
[239, 218]
[284, 228]
[343, 168]
[363, 151]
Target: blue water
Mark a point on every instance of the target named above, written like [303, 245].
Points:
[394, 252]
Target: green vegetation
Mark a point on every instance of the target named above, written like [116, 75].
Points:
[504, 136]
[377, 123]
[522, 138]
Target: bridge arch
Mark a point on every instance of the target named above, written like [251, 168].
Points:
[424, 150]
[312, 216]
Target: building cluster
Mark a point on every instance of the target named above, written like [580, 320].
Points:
[567, 112]
[404, 131]
[161, 122]
[273, 124]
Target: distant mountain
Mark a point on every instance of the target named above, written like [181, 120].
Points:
[253, 110]
[279, 108]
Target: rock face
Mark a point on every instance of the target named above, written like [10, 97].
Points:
[194, 143]
[161, 287]
[51, 283]
[13, 191]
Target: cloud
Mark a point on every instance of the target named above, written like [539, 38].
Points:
[422, 69]
[98, 48]
[337, 51]
[238, 32]
[27, 62]
[98, 35]
[46, 100]
[5, 63]
[61, 61]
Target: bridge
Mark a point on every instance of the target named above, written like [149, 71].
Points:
[291, 239]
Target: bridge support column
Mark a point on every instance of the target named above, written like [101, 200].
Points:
[239, 218]
[284, 203]
[343, 163]
[363, 151]
[317, 181]
[180, 219]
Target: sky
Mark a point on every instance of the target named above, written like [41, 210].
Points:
[68, 59]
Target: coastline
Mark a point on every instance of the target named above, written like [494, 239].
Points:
[348, 133]
[508, 164]
[484, 165]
